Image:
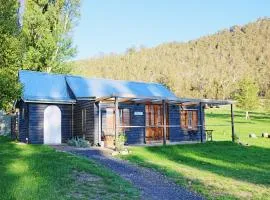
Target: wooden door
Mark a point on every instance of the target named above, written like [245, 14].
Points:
[154, 123]
[107, 127]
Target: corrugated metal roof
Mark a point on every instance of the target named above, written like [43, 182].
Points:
[40, 86]
[95, 87]
[45, 87]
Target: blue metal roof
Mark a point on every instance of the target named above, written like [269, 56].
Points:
[45, 87]
[96, 87]
[40, 86]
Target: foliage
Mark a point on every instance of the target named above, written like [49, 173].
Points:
[40, 172]
[78, 142]
[10, 53]
[120, 142]
[209, 67]
[36, 38]
[46, 34]
[247, 95]
[266, 102]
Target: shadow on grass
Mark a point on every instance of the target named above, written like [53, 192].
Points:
[250, 164]
[40, 172]
[23, 172]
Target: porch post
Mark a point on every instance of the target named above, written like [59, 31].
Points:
[201, 121]
[99, 123]
[116, 114]
[164, 122]
[232, 123]
[72, 120]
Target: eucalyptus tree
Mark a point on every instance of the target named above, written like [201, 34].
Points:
[47, 34]
[10, 52]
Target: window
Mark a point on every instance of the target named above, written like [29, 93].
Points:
[109, 124]
[84, 120]
[124, 117]
[189, 119]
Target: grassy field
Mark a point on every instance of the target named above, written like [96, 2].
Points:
[219, 169]
[219, 119]
[40, 172]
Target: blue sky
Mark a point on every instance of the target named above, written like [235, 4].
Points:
[108, 26]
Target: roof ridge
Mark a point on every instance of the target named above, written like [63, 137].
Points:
[79, 76]
[110, 79]
[41, 72]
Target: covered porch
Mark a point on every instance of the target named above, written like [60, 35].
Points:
[156, 119]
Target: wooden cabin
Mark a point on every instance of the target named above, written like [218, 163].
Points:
[56, 107]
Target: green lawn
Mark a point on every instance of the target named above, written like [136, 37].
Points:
[40, 172]
[219, 119]
[220, 169]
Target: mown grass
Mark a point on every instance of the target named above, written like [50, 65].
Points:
[219, 120]
[219, 169]
[40, 172]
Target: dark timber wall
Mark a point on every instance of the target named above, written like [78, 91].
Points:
[36, 122]
[23, 121]
[134, 135]
[89, 133]
[179, 134]
[137, 135]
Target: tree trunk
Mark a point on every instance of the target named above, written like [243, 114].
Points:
[247, 115]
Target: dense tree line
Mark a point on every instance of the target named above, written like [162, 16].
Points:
[211, 67]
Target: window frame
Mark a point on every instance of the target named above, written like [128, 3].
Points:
[189, 123]
[124, 121]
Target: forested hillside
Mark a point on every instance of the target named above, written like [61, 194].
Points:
[209, 67]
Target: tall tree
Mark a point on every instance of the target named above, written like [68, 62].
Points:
[46, 32]
[247, 96]
[10, 52]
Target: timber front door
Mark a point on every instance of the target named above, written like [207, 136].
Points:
[154, 123]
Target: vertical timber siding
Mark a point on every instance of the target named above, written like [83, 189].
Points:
[36, 122]
[89, 134]
[134, 135]
[23, 121]
[177, 133]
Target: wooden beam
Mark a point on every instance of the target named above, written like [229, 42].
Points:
[72, 120]
[102, 99]
[99, 123]
[116, 115]
[232, 123]
[164, 122]
[125, 99]
[201, 121]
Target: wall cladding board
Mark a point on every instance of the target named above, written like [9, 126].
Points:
[36, 121]
[23, 121]
[178, 134]
[89, 132]
[134, 135]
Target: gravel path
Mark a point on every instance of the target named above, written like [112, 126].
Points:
[151, 184]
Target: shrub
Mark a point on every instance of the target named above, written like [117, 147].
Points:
[78, 142]
[120, 142]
